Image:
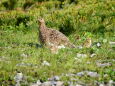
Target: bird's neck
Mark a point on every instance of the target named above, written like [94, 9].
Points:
[42, 26]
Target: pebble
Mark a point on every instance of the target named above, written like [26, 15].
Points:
[103, 64]
[112, 43]
[24, 55]
[89, 73]
[81, 55]
[92, 55]
[18, 77]
[92, 74]
[45, 63]
[98, 44]
[55, 78]
[80, 74]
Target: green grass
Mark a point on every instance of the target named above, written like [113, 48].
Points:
[19, 40]
[14, 44]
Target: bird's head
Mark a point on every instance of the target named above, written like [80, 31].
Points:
[41, 20]
[88, 39]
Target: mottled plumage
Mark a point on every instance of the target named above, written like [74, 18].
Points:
[87, 43]
[50, 37]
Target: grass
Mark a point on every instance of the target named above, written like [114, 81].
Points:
[20, 50]
[14, 44]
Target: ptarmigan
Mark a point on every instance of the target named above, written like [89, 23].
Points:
[87, 43]
[52, 38]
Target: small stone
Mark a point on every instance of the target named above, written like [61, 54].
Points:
[18, 77]
[98, 44]
[111, 83]
[92, 74]
[59, 83]
[79, 47]
[105, 75]
[112, 43]
[45, 63]
[48, 83]
[92, 55]
[80, 74]
[81, 55]
[24, 55]
[38, 82]
[34, 84]
[101, 85]
[56, 78]
[103, 64]
[78, 85]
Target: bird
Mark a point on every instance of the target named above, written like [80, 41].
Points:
[52, 38]
[87, 43]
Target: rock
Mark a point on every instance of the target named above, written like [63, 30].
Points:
[45, 63]
[103, 64]
[92, 74]
[89, 73]
[105, 75]
[55, 78]
[79, 47]
[34, 84]
[18, 77]
[80, 74]
[111, 83]
[78, 85]
[112, 43]
[24, 55]
[98, 44]
[38, 82]
[18, 84]
[25, 64]
[92, 55]
[81, 55]
[70, 74]
[101, 85]
[48, 83]
[59, 83]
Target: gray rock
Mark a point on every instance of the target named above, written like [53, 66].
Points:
[78, 85]
[79, 55]
[92, 74]
[48, 83]
[25, 64]
[24, 55]
[18, 84]
[45, 63]
[98, 44]
[92, 55]
[103, 64]
[59, 83]
[18, 77]
[80, 74]
[112, 43]
[34, 84]
[56, 78]
[89, 73]
[38, 82]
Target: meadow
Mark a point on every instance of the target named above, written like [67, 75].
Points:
[21, 52]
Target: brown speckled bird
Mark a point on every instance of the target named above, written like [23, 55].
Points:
[52, 38]
[87, 43]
